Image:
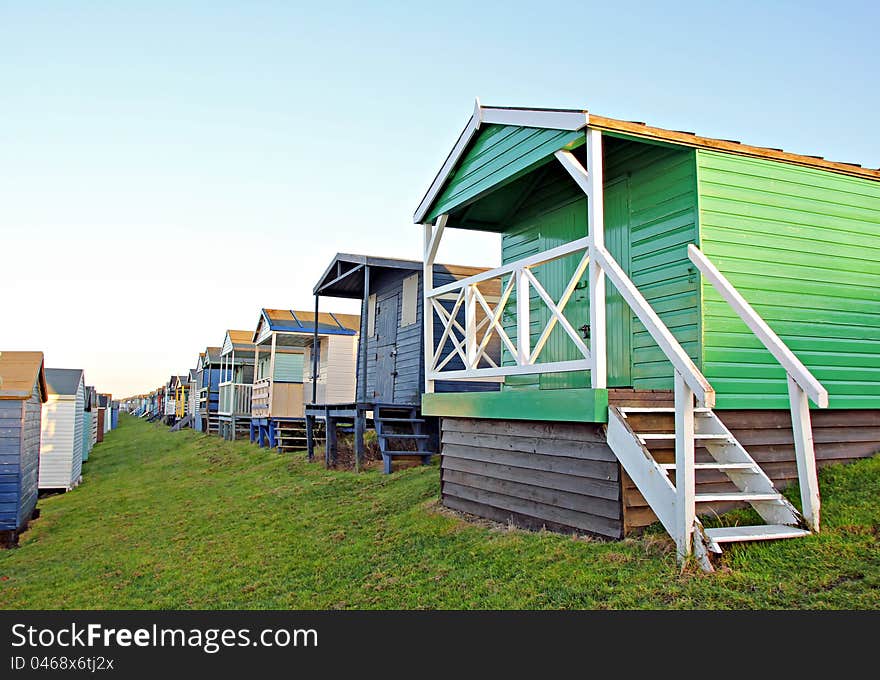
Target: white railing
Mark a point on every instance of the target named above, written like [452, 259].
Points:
[260, 398]
[235, 399]
[802, 384]
[470, 341]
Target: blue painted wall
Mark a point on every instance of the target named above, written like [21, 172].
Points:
[19, 460]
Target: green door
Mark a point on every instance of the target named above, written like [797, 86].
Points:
[617, 313]
[558, 228]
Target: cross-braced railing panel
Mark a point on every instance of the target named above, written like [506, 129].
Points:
[471, 319]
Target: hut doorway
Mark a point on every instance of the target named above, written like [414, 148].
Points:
[386, 348]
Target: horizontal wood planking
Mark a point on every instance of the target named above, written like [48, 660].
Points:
[800, 245]
[840, 436]
[561, 476]
[499, 154]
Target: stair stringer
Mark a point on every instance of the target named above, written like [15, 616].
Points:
[651, 480]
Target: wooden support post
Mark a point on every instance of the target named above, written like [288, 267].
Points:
[330, 439]
[523, 323]
[805, 453]
[271, 374]
[470, 326]
[316, 347]
[596, 231]
[433, 234]
[685, 482]
[359, 424]
[364, 340]
[310, 437]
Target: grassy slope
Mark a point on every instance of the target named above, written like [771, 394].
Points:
[183, 520]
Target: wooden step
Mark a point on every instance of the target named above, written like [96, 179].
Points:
[734, 496]
[405, 436]
[715, 466]
[383, 419]
[657, 409]
[644, 436]
[761, 532]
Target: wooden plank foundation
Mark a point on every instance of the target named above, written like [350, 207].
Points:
[559, 476]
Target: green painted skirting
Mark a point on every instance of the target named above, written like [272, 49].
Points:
[575, 405]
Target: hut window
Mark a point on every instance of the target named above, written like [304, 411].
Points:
[409, 305]
[371, 315]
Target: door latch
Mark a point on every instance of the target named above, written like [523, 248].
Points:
[585, 329]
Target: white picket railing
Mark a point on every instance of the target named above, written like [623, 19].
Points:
[235, 399]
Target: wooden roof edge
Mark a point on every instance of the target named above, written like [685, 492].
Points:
[570, 119]
[690, 139]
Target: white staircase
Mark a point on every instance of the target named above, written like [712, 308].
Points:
[722, 454]
[669, 487]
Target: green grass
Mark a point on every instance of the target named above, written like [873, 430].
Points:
[184, 520]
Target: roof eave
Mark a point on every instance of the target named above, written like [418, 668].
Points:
[551, 119]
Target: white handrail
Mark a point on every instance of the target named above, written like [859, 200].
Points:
[531, 261]
[780, 351]
[655, 326]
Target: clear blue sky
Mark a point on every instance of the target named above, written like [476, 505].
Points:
[157, 152]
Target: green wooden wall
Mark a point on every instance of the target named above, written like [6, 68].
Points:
[499, 154]
[802, 245]
[661, 209]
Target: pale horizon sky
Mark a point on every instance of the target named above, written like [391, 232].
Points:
[167, 169]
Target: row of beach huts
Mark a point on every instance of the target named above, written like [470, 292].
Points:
[300, 378]
[680, 325]
[50, 420]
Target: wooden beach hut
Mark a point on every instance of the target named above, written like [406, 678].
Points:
[103, 417]
[169, 408]
[181, 396]
[390, 373]
[209, 390]
[236, 384]
[61, 437]
[87, 422]
[688, 323]
[192, 406]
[284, 344]
[93, 420]
[22, 395]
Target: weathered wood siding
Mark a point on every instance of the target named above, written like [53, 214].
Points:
[339, 374]
[30, 455]
[10, 462]
[19, 459]
[839, 436]
[802, 246]
[561, 476]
